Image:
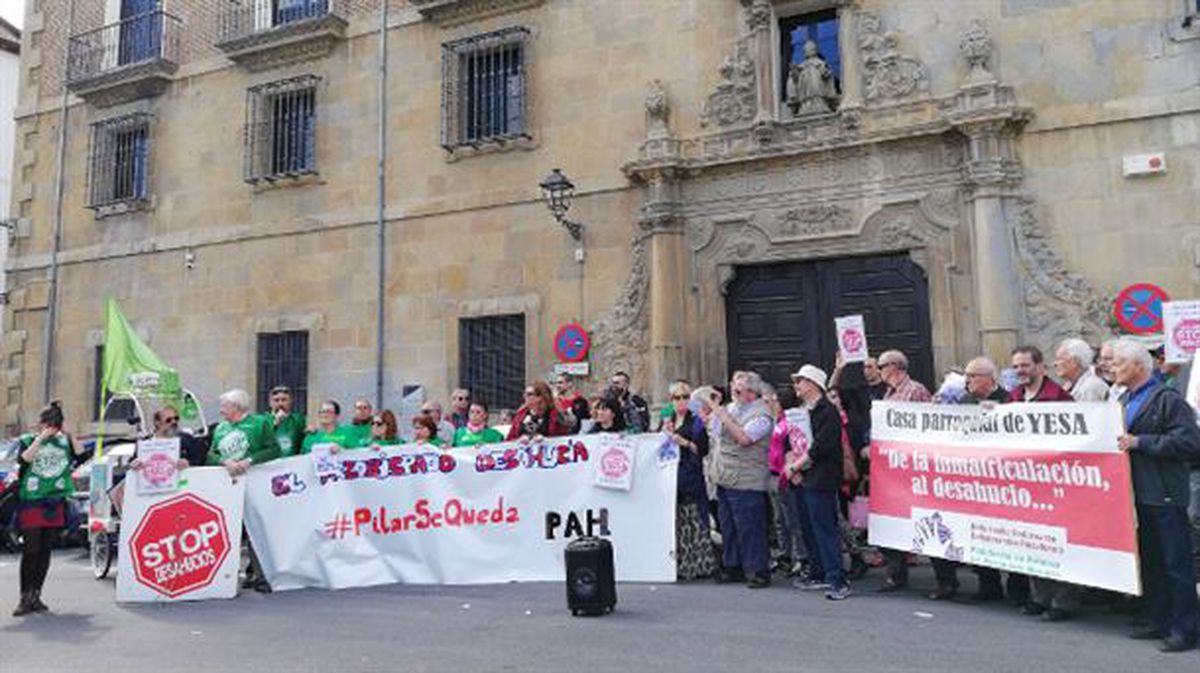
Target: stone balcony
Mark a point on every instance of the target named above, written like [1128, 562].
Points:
[264, 34]
[121, 62]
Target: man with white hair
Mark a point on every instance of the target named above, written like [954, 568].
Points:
[1073, 364]
[241, 439]
[741, 472]
[1161, 437]
[1104, 369]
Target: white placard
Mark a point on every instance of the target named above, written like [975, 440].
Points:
[1181, 329]
[324, 461]
[852, 338]
[159, 458]
[615, 462]
[181, 546]
[1193, 388]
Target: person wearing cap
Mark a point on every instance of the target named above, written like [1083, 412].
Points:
[743, 430]
[893, 368]
[822, 477]
[289, 425]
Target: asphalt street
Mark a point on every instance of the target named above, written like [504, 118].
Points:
[526, 627]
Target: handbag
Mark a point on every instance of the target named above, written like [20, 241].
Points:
[860, 511]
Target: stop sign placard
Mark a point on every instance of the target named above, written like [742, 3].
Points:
[179, 545]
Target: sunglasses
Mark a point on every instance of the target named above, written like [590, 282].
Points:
[378, 423]
[679, 397]
[171, 420]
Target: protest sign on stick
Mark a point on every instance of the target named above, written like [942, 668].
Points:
[852, 338]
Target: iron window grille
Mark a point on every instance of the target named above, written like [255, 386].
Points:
[281, 129]
[283, 361]
[491, 358]
[119, 163]
[485, 88]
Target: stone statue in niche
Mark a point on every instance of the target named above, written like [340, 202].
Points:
[811, 89]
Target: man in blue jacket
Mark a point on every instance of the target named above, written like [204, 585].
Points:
[1161, 438]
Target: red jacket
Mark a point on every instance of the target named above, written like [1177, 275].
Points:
[1050, 392]
[555, 428]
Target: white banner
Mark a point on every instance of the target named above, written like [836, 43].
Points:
[495, 513]
[184, 545]
[1181, 330]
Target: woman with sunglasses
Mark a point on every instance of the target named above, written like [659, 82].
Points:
[476, 431]
[538, 417]
[695, 558]
[44, 475]
[383, 430]
[328, 431]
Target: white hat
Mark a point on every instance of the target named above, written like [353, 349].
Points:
[814, 374]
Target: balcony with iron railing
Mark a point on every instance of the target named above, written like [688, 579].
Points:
[263, 34]
[131, 59]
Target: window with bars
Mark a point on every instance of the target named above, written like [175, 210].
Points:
[118, 166]
[491, 358]
[281, 129]
[485, 89]
[283, 361]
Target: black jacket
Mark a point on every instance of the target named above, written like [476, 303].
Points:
[1167, 439]
[825, 473]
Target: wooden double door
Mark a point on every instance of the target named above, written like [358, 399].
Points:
[780, 316]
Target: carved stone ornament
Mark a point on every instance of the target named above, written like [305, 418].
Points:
[1058, 302]
[815, 221]
[621, 338]
[759, 15]
[976, 47]
[887, 73]
[734, 101]
[900, 234]
[658, 110]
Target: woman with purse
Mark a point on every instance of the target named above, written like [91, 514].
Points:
[44, 472]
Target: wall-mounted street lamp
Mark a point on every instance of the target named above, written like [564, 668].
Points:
[558, 191]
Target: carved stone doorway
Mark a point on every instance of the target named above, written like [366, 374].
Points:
[780, 316]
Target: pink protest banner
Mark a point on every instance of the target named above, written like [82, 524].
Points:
[1038, 489]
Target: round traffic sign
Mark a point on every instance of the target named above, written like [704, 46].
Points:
[571, 343]
[1138, 308]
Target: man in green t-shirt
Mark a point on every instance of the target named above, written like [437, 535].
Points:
[289, 425]
[241, 439]
[359, 429]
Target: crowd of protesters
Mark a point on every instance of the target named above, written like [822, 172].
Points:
[775, 499]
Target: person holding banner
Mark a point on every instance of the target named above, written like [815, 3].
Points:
[476, 431]
[538, 417]
[289, 425]
[609, 417]
[893, 370]
[741, 473]
[44, 475]
[383, 430]
[1161, 437]
[241, 439]
[328, 431]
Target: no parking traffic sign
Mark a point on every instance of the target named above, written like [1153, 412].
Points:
[1138, 308]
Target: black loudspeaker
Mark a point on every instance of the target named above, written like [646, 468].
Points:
[591, 581]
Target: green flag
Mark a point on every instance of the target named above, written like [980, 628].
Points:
[131, 367]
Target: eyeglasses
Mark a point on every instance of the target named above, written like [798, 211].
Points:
[171, 420]
[378, 423]
[326, 411]
[679, 397]
[459, 398]
[427, 411]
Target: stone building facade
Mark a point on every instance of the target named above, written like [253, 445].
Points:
[960, 183]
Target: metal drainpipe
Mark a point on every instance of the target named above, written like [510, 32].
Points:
[380, 223]
[56, 236]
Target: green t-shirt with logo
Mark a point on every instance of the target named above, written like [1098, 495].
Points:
[359, 434]
[252, 437]
[464, 436]
[338, 436]
[289, 434]
[48, 475]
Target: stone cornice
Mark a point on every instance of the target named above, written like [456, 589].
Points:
[449, 13]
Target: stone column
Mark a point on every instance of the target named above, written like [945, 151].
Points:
[851, 59]
[760, 18]
[668, 291]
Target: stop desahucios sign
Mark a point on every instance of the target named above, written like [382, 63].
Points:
[179, 545]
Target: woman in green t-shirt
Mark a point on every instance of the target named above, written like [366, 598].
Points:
[328, 431]
[476, 431]
[383, 430]
[44, 472]
[425, 432]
